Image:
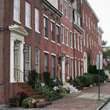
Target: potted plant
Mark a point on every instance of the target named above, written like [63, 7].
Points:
[14, 101]
[40, 103]
[28, 102]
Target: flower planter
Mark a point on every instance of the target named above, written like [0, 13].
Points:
[31, 106]
[38, 105]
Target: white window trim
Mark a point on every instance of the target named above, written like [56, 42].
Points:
[53, 41]
[58, 44]
[45, 16]
[46, 52]
[53, 54]
[39, 22]
[52, 21]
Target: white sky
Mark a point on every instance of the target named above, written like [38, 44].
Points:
[102, 9]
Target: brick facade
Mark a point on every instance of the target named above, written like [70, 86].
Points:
[65, 51]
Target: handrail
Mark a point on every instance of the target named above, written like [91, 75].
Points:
[18, 74]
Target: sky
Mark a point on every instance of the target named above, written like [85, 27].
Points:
[102, 10]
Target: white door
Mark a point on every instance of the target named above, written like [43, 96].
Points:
[63, 69]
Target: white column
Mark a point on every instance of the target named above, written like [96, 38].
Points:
[12, 60]
[21, 61]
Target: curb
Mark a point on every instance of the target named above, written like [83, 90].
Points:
[103, 104]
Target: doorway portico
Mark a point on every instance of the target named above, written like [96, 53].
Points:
[17, 34]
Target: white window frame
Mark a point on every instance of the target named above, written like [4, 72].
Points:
[71, 40]
[66, 8]
[66, 36]
[16, 11]
[29, 62]
[62, 34]
[44, 26]
[37, 20]
[70, 14]
[83, 16]
[44, 60]
[74, 40]
[79, 68]
[81, 43]
[87, 41]
[86, 20]
[78, 39]
[72, 68]
[75, 67]
[37, 60]
[61, 6]
[53, 65]
[68, 68]
[27, 14]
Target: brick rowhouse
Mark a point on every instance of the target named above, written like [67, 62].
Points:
[53, 35]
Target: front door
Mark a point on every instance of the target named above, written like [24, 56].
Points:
[16, 61]
[63, 69]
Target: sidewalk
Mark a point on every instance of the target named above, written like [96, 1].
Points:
[84, 100]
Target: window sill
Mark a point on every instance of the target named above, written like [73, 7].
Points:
[53, 41]
[29, 27]
[58, 44]
[37, 31]
[17, 21]
[63, 43]
[46, 38]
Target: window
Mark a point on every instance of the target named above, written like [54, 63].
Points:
[75, 68]
[74, 40]
[81, 44]
[79, 67]
[53, 66]
[45, 28]
[89, 23]
[46, 62]
[78, 42]
[27, 60]
[52, 31]
[66, 8]
[83, 16]
[87, 41]
[37, 60]
[90, 42]
[61, 5]
[59, 67]
[71, 40]
[16, 13]
[84, 38]
[58, 34]
[36, 20]
[62, 33]
[67, 37]
[86, 20]
[77, 18]
[27, 14]
[67, 67]
[72, 68]
[70, 13]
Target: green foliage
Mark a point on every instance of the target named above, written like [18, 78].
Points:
[77, 81]
[87, 79]
[48, 93]
[34, 78]
[13, 101]
[28, 101]
[46, 76]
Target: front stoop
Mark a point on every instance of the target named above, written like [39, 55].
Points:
[30, 92]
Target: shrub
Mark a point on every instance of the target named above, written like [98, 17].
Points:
[87, 79]
[46, 76]
[32, 78]
[77, 81]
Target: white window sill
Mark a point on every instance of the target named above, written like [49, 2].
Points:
[63, 43]
[29, 27]
[46, 38]
[37, 31]
[67, 45]
[53, 41]
[58, 44]
[17, 21]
